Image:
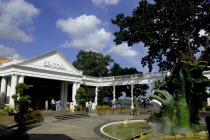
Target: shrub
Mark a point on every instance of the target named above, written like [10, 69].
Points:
[106, 107]
[122, 108]
[2, 112]
[76, 107]
[99, 107]
[8, 108]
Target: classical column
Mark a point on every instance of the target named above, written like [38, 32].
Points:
[132, 107]
[8, 89]
[21, 79]
[62, 93]
[14, 81]
[114, 93]
[96, 95]
[78, 85]
[3, 90]
[65, 94]
[74, 91]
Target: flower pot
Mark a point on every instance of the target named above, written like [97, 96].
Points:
[100, 110]
[116, 110]
[80, 108]
[203, 108]
[124, 110]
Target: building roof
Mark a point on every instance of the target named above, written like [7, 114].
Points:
[3, 59]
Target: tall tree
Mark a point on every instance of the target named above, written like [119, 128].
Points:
[118, 70]
[167, 27]
[92, 63]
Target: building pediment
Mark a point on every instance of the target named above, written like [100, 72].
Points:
[52, 61]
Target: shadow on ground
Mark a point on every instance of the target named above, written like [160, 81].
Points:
[37, 137]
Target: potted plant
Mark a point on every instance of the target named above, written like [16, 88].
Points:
[204, 106]
[81, 97]
[76, 108]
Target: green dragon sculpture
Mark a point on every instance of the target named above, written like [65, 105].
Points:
[187, 88]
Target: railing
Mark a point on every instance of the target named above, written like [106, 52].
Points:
[154, 74]
[126, 77]
[91, 78]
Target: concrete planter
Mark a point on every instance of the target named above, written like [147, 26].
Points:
[124, 110]
[116, 110]
[108, 110]
[100, 110]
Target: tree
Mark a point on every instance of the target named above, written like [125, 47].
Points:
[81, 96]
[22, 99]
[140, 90]
[166, 28]
[92, 63]
[116, 69]
[104, 92]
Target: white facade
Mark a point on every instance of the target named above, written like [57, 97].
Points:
[55, 66]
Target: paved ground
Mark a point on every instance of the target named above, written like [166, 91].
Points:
[67, 126]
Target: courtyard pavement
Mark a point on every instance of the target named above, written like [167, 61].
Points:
[69, 126]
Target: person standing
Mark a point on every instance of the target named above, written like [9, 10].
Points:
[53, 103]
[59, 105]
[113, 104]
[71, 107]
[90, 106]
[68, 106]
[86, 106]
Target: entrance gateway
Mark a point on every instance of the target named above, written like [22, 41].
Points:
[51, 76]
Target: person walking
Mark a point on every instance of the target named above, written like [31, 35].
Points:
[53, 103]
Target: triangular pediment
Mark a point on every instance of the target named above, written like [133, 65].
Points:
[53, 61]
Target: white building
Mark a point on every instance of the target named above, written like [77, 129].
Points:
[51, 76]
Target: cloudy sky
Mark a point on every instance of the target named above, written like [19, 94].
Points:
[29, 28]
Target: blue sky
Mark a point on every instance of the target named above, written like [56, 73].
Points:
[29, 28]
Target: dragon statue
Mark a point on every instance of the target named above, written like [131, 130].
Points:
[182, 96]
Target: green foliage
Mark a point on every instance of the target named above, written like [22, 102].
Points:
[8, 108]
[117, 70]
[104, 92]
[166, 27]
[188, 87]
[2, 112]
[21, 117]
[92, 63]
[134, 110]
[99, 107]
[77, 97]
[106, 107]
[81, 96]
[140, 90]
[15, 96]
[21, 87]
[76, 107]
[168, 103]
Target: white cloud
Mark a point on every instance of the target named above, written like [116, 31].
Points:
[14, 15]
[105, 2]
[123, 50]
[6, 51]
[85, 33]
